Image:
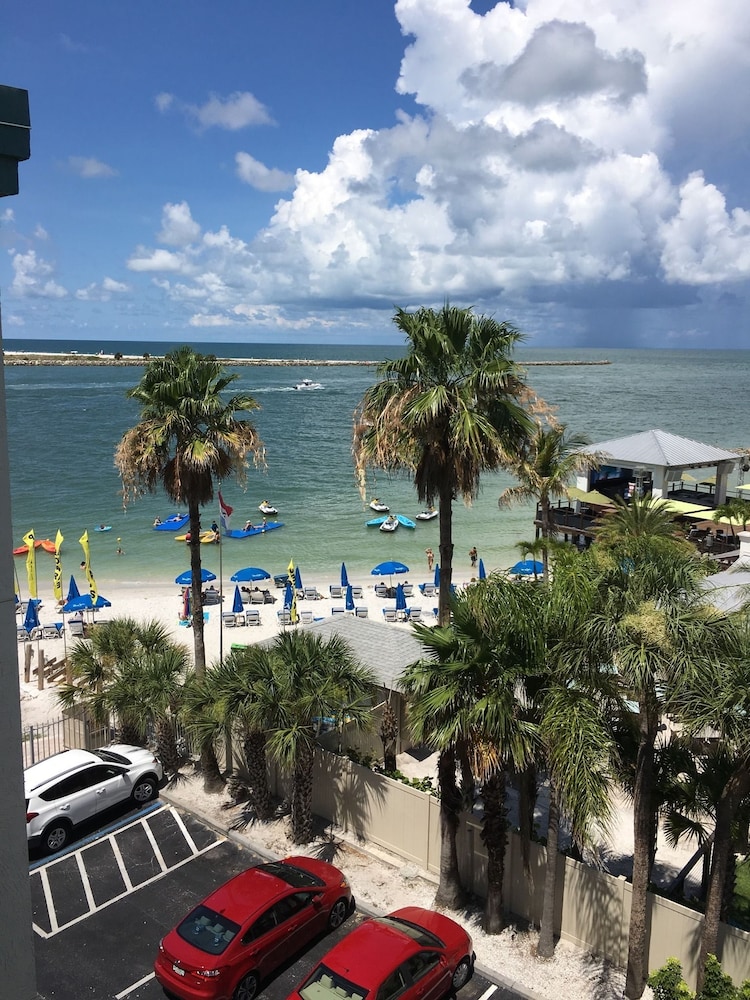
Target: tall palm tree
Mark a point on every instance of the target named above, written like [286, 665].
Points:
[449, 410]
[187, 437]
[544, 468]
[316, 679]
[650, 624]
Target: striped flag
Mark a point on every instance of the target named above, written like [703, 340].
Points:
[226, 513]
[293, 608]
[57, 584]
[93, 590]
[30, 542]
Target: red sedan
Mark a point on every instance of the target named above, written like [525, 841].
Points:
[244, 930]
[412, 954]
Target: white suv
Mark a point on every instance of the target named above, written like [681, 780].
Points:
[74, 785]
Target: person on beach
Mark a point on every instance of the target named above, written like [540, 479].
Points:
[473, 554]
[430, 558]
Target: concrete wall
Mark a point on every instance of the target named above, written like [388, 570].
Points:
[593, 908]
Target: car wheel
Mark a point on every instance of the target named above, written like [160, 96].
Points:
[56, 836]
[339, 913]
[248, 987]
[144, 791]
[463, 974]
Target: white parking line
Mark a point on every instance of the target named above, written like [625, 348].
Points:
[129, 990]
[488, 993]
[55, 927]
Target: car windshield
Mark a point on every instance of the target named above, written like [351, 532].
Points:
[208, 930]
[419, 934]
[298, 878]
[325, 984]
[112, 758]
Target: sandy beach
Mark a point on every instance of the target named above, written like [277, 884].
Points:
[163, 603]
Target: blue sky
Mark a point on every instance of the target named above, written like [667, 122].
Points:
[283, 170]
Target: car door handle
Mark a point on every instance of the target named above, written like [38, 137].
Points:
[100, 791]
[65, 808]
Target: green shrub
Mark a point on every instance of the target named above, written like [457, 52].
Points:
[668, 984]
[717, 985]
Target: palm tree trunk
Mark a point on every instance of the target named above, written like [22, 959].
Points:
[254, 747]
[166, 745]
[546, 945]
[495, 840]
[526, 804]
[213, 780]
[302, 789]
[637, 970]
[544, 511]
[196, 590]
[735, 790]
[450, 892]
[445, 548]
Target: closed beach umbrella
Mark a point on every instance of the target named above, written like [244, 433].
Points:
[482, 574]
[73, 590]
[437, 575]
[344, 576]
[297, 578]
[288, 597]
[31, 621]
[237, 602]
[349, 598]
[185, 579]
[400, 598]
[250, 574]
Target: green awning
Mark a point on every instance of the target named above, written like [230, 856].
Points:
[593, 497]
[681, 507]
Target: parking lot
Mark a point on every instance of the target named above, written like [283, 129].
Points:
[100, 909]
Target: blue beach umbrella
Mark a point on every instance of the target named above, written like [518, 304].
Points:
[185, 579]
[349, 598]
[250, 574]
[344, 576]
[31, 621]
[237, 602]
[73, 590]
[482, 573]
[388, 568]
[527, 567]
[288, 597]
[84, 603]
[437, 576]
[400, 598]
[297, 578]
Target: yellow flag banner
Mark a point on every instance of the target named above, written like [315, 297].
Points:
[29, 541]
[57, 584]
[93, 591]
[290, 571]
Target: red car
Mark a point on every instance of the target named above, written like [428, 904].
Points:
[239, 934]
[412, 953]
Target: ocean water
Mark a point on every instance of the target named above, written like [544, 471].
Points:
[64, 424]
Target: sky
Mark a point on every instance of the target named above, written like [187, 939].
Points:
[291, 171]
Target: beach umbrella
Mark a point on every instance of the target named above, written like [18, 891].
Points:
[437, 576]
[349, 598]
[400, 598]
[31, 621]
[84, 603]
[250, 574]
[73, 590]
[237, 602]
[185, 579]
[482, 573]
[297, 578]
[344, 576]
[288, 597]
[388, 568]
[527, 567]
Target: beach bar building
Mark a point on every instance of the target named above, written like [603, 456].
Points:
[693, 478]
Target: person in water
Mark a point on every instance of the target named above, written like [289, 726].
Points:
[157, 520]
[248, 526]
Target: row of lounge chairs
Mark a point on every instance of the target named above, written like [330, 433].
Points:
[249, 617]
[40, 632]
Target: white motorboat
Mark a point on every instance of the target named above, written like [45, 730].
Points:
[381, 508]
[267, 508]
[427, 515]
[390, 524]
[307, 383]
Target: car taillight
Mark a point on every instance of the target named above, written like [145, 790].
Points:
[208, 973]
[30, 816]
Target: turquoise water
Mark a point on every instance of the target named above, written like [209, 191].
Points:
[64, 424]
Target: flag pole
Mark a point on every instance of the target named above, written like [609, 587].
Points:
[221, 591]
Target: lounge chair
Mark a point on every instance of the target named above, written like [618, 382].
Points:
[310, 594]
[338, 611]
[414, 614]
[381, 590]
[285, 617]
[356, 593]
[306, 617]
[337, 592]
[76, 628]
[408, 589]
[21, 634]
[229, 619]
[361, 612]
[50, 632]
[390, 614]
[257, 597]
[252, 616]
[428, 589]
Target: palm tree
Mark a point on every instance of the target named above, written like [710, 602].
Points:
[188, 436]
[544, 467]
[734, 510]
[445, 413]
[650, 624]
[315, 679]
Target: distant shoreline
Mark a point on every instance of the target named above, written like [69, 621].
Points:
[75, 359]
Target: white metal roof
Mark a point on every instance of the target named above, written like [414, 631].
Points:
[658, 448]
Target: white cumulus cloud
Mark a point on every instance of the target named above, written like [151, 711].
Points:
[89, 167]
[261, 177]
